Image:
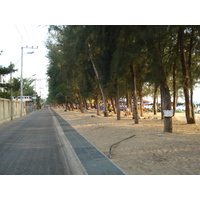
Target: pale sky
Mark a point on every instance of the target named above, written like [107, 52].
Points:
[12, 38]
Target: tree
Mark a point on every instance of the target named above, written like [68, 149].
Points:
[67, 66]
[3, 71]
[156, 39]
[86, 61]
[16, 87]
[27, 88]
[98, 80]
[38, 102]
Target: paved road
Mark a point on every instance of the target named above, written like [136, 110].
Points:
[30, 146]
[43, 143]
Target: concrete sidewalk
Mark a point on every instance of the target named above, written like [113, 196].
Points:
[30, 146]
[93, 161]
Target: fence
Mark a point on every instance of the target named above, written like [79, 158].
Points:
[9, 112]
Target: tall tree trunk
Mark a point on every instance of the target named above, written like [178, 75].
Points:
[190, 73]
[166, 100]
[72, 106]
[154, 99]
[113, 104]
[117, 100]
[127, 100]
[141, 104]
[80, 103]
[161, 104]
[190, 119]
[86, 105]
[66, 105]
[134, 93]
[98, 79]
[174, 89]
[90, 100]
[192, 105]
[130, 103]
[97, 104]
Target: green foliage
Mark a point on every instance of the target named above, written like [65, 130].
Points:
[38, 102]
[16, 86]
[7, 70]
[153, 50]
[6, 86]
[4, 95]
[28, 90]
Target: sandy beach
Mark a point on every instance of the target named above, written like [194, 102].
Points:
[150, 151]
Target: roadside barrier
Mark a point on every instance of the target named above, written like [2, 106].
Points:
[10, 111]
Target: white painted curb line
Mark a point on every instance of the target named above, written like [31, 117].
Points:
[72, 159]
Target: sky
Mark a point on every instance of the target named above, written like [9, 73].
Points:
[12, 38]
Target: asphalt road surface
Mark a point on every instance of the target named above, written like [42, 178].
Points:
[30, 146]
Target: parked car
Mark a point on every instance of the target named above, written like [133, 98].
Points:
[180, 107]
[197, 109]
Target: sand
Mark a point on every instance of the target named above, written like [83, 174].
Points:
[150, 151]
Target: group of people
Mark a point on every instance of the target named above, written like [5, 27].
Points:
[127, 111]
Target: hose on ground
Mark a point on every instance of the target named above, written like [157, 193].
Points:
[115, 144]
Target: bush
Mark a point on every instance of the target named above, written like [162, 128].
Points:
[5, 95]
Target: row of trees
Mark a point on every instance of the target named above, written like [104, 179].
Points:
[124, 61]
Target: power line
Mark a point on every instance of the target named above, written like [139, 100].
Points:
[19, 34]
[27, 35]
[18, 30]
[34, 36]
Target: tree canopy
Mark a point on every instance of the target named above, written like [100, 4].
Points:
[124, 61]
[6, 86]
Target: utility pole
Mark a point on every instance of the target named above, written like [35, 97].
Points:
[21, 83]
[11, 96]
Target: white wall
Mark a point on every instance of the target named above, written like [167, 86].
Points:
[5, 110]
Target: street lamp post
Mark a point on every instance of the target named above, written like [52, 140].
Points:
[21, 82]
